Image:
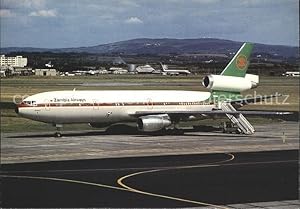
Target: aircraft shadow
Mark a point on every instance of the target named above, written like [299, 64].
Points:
[123, 129]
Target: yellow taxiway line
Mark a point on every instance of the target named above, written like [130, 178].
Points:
[120, 182]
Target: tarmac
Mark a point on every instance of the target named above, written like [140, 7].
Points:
[78, 145]
[223, 180]
[33, 159]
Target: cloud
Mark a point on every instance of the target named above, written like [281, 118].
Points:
[34, 3]
[44, 13]
[129, 3]
[23, 3]
[206, 1]
[133, 20]
[6, 13]
[265, 21]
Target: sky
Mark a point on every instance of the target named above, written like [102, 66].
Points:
[74, 23]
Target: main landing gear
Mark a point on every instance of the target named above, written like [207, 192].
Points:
[174, 129]
[58, 129]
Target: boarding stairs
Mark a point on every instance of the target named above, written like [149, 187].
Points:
[239, 120]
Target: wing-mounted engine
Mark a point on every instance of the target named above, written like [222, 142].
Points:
[151, 123]
[230, 83]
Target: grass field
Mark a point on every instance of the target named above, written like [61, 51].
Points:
[16, 88]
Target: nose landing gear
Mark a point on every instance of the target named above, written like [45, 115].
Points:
[57, 134]
[58, 128]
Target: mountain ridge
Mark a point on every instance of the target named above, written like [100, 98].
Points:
[165, 46]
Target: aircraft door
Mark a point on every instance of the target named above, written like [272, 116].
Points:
[36, 109]
[95, 105]
[47, 104]
[149, 103]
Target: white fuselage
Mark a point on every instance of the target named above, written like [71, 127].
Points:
[174, 72]
[63, 107]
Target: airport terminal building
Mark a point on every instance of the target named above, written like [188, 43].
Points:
[17, 61]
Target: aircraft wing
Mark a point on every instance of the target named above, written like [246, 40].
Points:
[245, 101]
[208, 113]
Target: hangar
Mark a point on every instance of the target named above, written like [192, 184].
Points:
[45, 72]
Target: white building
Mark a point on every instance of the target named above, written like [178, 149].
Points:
[115, 68]
[2, 73]
[45, 72]
[120, 71]
[145, 69]
[17, 61]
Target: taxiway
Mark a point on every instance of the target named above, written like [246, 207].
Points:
[77, 145]
[223, 180]
[127, 169]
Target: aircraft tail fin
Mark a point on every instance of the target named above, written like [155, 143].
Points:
[164, 67]
[236, 69]
[239, 63]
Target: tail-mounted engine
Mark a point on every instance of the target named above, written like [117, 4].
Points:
[230, 83]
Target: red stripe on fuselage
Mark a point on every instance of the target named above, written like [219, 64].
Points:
[113, 104]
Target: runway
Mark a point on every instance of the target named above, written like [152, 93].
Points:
[202, 180]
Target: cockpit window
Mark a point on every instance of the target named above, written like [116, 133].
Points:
[31, 103]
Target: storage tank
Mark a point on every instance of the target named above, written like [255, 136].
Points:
[131, 67]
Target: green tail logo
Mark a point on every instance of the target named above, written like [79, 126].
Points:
[240, 62]
[237, 67]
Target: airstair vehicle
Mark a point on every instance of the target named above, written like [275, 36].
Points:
[239, 120]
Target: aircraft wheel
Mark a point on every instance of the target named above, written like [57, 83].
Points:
[177, 132]
[57, 134]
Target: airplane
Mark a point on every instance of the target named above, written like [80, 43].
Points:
[49, 65]
[173, 72]
[153, 110]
